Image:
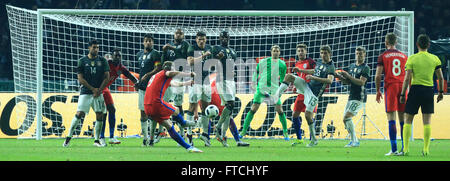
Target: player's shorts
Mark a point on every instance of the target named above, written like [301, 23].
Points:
[299, 106]
[392, 93]
[199, 92]
[353, 107]
[310, 100]
[258, 98]
[420, 96]
[226, 90]
[141, 94]
[108, 97]
[86, 101]
[159, 111]
[173, 94]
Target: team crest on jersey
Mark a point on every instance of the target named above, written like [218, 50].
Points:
[304, 66]
[228, 50]
[92, 63]
[321, 66]
[144, 57]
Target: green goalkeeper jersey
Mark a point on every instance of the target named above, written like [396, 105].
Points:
[269, 74]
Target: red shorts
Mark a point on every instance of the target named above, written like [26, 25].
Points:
[159, 111]
[107, 96]
[392, 97]
[299, 106]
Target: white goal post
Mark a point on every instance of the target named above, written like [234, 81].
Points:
[61, 35]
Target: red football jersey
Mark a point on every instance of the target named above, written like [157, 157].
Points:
[393, 62]
[115, 71]
[156, 87]
[308, 63]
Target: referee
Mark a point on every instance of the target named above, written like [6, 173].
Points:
[420, 68]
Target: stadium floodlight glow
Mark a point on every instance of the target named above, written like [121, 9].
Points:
[47, 43]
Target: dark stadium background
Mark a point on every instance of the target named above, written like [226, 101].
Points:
[430, 16]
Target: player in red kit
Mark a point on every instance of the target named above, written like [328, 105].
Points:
[115, 69]
[159, 110]
[303, 65]
[391, 63]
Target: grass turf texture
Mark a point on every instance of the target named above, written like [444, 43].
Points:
[259, 150]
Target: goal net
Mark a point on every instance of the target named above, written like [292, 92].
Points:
[47, 89]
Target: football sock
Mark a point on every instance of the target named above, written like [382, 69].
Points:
[406, 136]
[177, 137]
[296, 123]
[209, 128]
[144, 128]
[247, 121]
[98, 129]
[312, 131]
[401, 131]
[112, 125]
[102, 133]
[351, 129]
[283, 122]
[426, 137]
[73, 125]
[233, 129]
[225, 121]
[282, 88]
[205, 123]
[152, 129]
[393, 135]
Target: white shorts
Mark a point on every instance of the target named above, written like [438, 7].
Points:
[353, 107]
[141, 100]
[86, 101]
[226, 92]
[175, 95]
[199, 92]
[310, 100]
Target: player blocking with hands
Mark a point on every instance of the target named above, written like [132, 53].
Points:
[391, 63]
[321, 76]
[149, 64]
[266, 80]
[198, 55]
[93, 75]
[159, 110]
[356, 76]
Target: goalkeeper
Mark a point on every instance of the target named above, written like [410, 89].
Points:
[266, 78]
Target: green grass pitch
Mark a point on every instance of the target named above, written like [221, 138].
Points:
[259, 150]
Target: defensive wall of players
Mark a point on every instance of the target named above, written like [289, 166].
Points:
[59, 109]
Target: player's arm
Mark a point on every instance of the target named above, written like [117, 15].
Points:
[130, 76]
[192, 60]
[105, 80]
[283, 71]
[255, 77]
[178, 73]
[180, 84]
[342, 78]
[305, 71]
[378, 73]
[440, 77]
[327, 80]
[406, 83]
[84, 82]
[359, 82]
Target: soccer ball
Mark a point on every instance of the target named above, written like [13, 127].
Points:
[212, 111]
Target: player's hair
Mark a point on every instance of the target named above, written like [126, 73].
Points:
[224, 33]
[275, 46]
[391, 38]
[93, 42]
[200, 33]
[361, 48]
[302, 45]
[116, 50]
[149, 36]
[325, 48]
[167, 65]
[423, 41]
